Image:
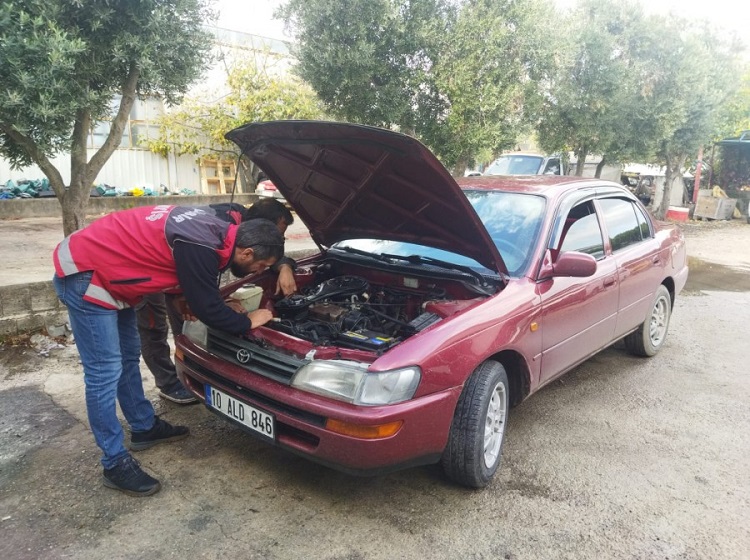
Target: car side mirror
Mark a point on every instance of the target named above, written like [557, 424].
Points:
[573, 263]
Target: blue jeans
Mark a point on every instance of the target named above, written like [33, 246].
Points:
[109, 347]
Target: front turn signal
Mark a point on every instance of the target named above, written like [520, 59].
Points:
[364, 432]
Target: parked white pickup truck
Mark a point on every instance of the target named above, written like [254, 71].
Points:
[526, 163]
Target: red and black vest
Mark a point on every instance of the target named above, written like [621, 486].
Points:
[130, 252]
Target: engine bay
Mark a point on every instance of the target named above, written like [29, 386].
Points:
[358, 308]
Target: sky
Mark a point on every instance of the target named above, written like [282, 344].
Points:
[256, 16]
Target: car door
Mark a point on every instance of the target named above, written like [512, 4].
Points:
[636, 253]
[578, 314]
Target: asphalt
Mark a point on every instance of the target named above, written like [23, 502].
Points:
[622, 458]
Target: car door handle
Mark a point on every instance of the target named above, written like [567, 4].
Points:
[656, 260]
[610, 281]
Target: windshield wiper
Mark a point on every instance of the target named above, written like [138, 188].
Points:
[417, 259]
[378, 257]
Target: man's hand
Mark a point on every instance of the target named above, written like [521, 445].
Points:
[286, 284]
[183, 308]
[259, 317]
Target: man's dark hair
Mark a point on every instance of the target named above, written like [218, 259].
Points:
[269, 209]
[263, 237]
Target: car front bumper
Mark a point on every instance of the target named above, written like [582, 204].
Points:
[300, 417]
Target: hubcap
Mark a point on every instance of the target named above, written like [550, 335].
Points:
[494, 427]
[659, 319]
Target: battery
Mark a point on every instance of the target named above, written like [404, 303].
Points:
[366, 340]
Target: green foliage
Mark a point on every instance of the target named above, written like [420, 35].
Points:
[460, 76]
[490, 69]
[64, 65]
[255, 94]
[370, 60]
[736, 115]
[594, 98]
[64, 61]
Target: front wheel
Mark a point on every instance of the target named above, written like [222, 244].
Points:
[649, 337]
[475, 442]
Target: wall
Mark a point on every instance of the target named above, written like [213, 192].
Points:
[50, 207]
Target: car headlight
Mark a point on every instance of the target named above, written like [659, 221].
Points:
[196, 332]
[351, 382]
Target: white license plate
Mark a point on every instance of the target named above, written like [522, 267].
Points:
[257, 420]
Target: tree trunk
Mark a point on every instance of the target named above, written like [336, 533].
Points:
[83, 173]
[599, 168]
[580, 161]
[461, 164]
[673, 168]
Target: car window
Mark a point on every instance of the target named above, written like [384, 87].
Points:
[513, 221]
[552, 167]
[582, 232]
[623, 226]
[515, 165]
[643, 222]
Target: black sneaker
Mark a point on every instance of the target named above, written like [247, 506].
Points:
[128, 477]
[161, 432]
[179, 395]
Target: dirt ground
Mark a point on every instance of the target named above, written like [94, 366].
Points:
[621, 458]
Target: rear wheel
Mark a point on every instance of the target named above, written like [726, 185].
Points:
[475, 442]
[647, 339]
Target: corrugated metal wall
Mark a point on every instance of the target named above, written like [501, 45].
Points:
[125, 169]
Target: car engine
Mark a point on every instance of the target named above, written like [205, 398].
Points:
[351, 312]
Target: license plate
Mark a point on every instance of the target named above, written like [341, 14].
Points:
[247, 415]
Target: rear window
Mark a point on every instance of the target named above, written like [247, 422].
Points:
[623, 226]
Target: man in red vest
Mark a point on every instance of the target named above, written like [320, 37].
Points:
[154, 309]
[103, 270]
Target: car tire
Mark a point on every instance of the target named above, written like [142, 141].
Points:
[475, 441]
[649, 337]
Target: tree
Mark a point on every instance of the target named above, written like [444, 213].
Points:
[489, 72]
[254, 94]
[690, 80]
[69, 65]
[593, 102]
[458, 75]
[370, 60]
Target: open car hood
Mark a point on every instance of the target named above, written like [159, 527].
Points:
[348, 181]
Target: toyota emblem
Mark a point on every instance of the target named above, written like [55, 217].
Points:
[243, 356]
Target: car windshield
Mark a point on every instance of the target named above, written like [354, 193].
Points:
[513, 221]
[515, 165]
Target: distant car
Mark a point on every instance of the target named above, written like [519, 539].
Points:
[267, 188]
[472, 173]
[521, 163]
[432, 307]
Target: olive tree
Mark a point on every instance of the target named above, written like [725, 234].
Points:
[67, 66]
[254, 93]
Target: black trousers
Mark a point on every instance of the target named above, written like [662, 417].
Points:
[154, 313]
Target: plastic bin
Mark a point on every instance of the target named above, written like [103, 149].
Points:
[249, 295]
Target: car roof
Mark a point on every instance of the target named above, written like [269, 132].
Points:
[547, 185]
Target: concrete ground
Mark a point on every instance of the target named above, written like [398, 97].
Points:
[27, 246]
[621, 458]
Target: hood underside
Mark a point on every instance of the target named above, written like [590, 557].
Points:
[348, 181]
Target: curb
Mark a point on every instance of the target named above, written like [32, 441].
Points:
[34, 306]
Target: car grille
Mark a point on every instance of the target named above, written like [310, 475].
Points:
[259, 399]
[252, 357]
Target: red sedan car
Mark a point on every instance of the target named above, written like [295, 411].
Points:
[432, 307]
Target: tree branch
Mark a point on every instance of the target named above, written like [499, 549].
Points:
[118, 124]
[38, 157]
[78, 154]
